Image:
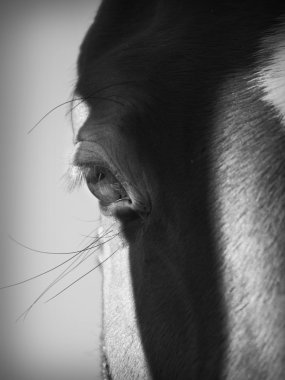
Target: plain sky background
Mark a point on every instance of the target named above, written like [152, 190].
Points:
[58, 340]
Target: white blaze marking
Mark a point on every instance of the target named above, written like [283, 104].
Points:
[272, 73]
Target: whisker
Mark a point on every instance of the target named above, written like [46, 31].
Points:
[76, 253]
[89, 236]
[26, 312]
[106, 234]
[93, 237]
[70, 269]
[81, 99]
[79, 278]
[38, 275]
[39, 251]
[48, 113]
[92, 95]
[66, 272]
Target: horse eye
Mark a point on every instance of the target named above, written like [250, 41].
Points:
[105, 186]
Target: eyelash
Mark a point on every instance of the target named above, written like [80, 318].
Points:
[74, 178]
[81, 175]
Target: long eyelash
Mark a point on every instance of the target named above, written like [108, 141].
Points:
[48, 113]
[74, 178]
[80, 100]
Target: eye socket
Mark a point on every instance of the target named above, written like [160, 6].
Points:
[105, 186]
[114, 200]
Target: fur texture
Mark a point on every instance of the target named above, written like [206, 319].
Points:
[186, 109]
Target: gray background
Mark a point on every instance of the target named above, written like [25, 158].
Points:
[60, 339]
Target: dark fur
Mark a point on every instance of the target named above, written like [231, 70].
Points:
[171, 78]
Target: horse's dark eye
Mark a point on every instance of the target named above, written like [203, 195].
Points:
[105, 186]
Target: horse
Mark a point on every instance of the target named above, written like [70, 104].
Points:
[182, 141]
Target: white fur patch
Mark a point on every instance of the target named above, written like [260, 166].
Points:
[271, 76]
[122, 341]
[80, 113]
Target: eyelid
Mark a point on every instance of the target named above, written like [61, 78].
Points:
[89, 154]
[88, 151]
